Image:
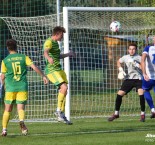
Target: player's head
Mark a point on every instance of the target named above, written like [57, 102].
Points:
[132, 49]
[11, 45]
[58, 33]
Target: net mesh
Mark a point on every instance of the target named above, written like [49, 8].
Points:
[94, 82]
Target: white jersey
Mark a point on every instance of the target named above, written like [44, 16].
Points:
[132, 62]
[150, 61]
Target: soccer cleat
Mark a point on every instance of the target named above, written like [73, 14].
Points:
[57, 113]
[152, 115]
[4, 132]
[62, 118]
[113, 117]
[66, 121]
[23, 128]
[142, 118]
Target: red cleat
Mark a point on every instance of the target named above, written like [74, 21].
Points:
[4, 132]
[113, 117]
[152, 115]
[142, 118]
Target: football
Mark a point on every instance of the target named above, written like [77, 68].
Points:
[115, 26]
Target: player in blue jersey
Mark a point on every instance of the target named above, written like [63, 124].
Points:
[132, 80]
[148, 69]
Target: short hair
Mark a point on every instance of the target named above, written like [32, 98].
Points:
[132, 44]
[11, 44]
[58, 29]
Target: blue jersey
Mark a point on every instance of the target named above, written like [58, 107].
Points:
[150, 61]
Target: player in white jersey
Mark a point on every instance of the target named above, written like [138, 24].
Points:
[133, 79]
[148, 68]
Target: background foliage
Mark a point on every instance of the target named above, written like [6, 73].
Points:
[30, 8]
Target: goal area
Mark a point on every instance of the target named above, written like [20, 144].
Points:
[92, 74]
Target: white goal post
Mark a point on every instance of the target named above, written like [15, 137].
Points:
[92, 74]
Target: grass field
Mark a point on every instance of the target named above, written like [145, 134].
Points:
[94, 131]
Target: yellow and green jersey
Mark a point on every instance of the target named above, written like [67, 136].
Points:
[14, 66]
[54, 53]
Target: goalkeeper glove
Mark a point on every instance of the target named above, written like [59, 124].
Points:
[121, 74]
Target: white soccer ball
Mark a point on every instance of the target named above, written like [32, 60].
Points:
[115, 26]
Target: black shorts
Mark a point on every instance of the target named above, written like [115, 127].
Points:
[129, 84]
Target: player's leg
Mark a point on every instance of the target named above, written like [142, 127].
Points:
[9, 100]
[149, 100]
[5, 118]
[125, 88]
[142, 104]
[62, 96]
[138, 85]
[62, 91]
[21, 100]
[63, 105]
[59, 79]
[147, 86]
[118, 103]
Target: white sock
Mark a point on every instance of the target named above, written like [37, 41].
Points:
[58, 109]
[152, 110]
[142, 113]
[116, 112]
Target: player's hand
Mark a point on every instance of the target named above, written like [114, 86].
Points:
[71, 54]
[146, 78]
[50, 60]
[45, 80]
[121, 74]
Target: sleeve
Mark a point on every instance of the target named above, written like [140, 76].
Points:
[3, 68]
[47, 44]
[146, 49]
[28, 61]
[122, 59]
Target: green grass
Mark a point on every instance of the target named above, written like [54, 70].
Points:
[96, 131]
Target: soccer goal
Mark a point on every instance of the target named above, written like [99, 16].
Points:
[92, 74]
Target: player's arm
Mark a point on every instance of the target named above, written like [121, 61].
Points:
[121, 74]
[144, 55]
[46, 55]
[36, 69]
[47, 47]
[118, 63]
[3, 71]
[70, 54]
[2, 78]
[143, 65]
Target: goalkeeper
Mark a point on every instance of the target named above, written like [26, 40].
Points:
[54, 71]
[131, 80]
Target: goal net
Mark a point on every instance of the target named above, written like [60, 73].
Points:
[93, 72]
[30, 34]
